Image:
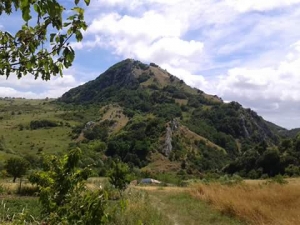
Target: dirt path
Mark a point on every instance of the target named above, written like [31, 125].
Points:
[161, 206]
[182, 209]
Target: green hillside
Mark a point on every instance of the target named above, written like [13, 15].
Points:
[158, 114]
[149, 119]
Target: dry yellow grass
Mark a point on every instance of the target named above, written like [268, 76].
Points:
[271, 204]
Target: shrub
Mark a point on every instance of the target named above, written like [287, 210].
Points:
[143, 77]
[27, 190]
[119, 175]
[63, 194]
[277, 179]
[37, 124]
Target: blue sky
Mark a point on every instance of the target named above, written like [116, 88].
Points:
[241, 50]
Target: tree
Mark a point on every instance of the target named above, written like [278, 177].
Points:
[16, 167]
[28, 50]
[119, 175]
[270, 162]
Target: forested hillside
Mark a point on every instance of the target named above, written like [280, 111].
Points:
[148, 115]
[151, 120]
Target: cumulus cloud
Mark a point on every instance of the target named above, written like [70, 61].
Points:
[153, 36]
[28, 87]
[272, 91]
[249, 5]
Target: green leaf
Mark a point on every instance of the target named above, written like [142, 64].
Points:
[52, 37]
[87, 2]
[36, 8]
[79, 10]
[26, 14]
[76, 2]
[66, 24]
[78, 35]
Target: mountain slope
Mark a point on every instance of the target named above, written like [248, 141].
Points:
[151, 99]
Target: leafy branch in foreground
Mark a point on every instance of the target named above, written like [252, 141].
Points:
[63, 193]
[28, 50]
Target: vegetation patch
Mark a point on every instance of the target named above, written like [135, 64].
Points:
[258, 204]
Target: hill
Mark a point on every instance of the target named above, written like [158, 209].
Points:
[153, 121]
[152, 111]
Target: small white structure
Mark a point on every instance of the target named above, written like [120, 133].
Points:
[149, 181]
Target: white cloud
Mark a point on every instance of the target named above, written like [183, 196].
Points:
[272, 91]
[260, 5]
[151, 37]
[28, 87]
[279, 82]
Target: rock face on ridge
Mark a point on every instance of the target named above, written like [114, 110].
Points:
[172, 126]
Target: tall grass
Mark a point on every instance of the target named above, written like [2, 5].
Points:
[267, 204]
[139, 211]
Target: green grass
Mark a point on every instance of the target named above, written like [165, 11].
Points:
[138, 211]
[181, 208]
[20, 207]
[15, 113]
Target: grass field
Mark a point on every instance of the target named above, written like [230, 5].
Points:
[258, 202]
[255, 202]
[181, 208]
[16, 137]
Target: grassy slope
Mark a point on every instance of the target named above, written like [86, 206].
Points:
[26, 141]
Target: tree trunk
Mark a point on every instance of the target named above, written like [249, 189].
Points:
[20, 184]
[14, 180]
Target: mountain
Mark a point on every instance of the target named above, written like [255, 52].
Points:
[148, 115]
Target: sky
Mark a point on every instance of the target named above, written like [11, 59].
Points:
[241, 50]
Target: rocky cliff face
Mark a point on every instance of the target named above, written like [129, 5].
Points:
[170, 128]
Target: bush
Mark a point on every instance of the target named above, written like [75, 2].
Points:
[292, 170]
[37, 124]
[143, 77]
[119, 175]
[63, 194]
[28, 190]
[277, 179]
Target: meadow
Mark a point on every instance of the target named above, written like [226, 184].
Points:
[259, 202]
[255, 202]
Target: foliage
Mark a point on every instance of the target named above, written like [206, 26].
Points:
[27, 51]
[16, 167]
[263, 160]
[143, 77]
[19, 210]
[37, 124]
[134, 143]
[99, 131]
[119, 175]
[63, 195]
[277, 179]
